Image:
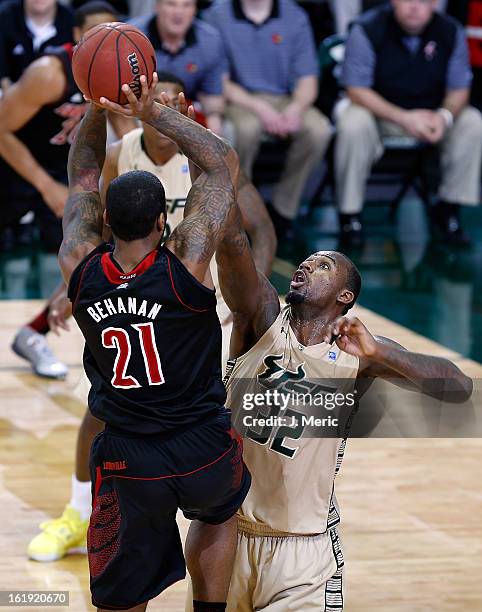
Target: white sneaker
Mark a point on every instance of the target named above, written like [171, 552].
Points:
[33, 347]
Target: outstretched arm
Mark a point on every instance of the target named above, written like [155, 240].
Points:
[255, 221]
[212, 199]
[257, 224]
[242, 266]
[211, 202]
[384, 358]
[247, 292]
[82, 222]
[434, 376]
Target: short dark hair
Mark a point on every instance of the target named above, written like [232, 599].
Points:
[353, 281]
[133, 203]
[94, 7]
[163, 76]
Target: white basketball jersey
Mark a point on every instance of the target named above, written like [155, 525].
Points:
[176, 180]
[292, 471]
[174, 175]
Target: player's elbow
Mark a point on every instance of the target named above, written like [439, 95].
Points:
[65, 263]
[222, 161]
[466, 389]
[232, 162]
[458, 388]
[70, 256]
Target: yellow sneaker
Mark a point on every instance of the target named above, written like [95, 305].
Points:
[60, 536]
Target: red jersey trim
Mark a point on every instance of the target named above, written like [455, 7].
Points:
[98, 482]
[116, 277]
[177, 294]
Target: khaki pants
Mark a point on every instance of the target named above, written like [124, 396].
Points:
[359, 145]
[286, 574]
[306, 150]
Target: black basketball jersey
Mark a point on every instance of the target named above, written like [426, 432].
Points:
[49, 134]
[152, 342]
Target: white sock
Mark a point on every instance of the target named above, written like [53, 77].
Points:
[81, 497]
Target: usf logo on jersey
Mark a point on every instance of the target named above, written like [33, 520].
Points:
[289, 381]
[275, 375]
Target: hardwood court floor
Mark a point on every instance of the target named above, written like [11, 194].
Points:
[411, 508]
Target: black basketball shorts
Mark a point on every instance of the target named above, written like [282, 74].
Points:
[138, 484]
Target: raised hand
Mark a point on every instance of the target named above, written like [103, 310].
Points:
[184, 108]
[352, 337]
[60, 310]
[136, 107]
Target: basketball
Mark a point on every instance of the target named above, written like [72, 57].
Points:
[110, 55]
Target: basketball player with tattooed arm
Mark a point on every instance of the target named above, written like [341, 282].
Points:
[146, 149]
[289, 554]
[153, 357]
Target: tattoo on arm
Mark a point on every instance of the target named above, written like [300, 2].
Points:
[209, 204]
[212, 198]
[82, 221]
[87, 154]
[206, 150]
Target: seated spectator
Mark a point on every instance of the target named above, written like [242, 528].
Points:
[406, 72]
[346, 11]
[190, 49]
[273, 82]
[28, 27]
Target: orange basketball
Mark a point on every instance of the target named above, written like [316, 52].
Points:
[110, 55]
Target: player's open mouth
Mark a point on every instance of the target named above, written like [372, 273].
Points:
[299, 279]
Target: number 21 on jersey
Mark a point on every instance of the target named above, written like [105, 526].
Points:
[117, 338]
